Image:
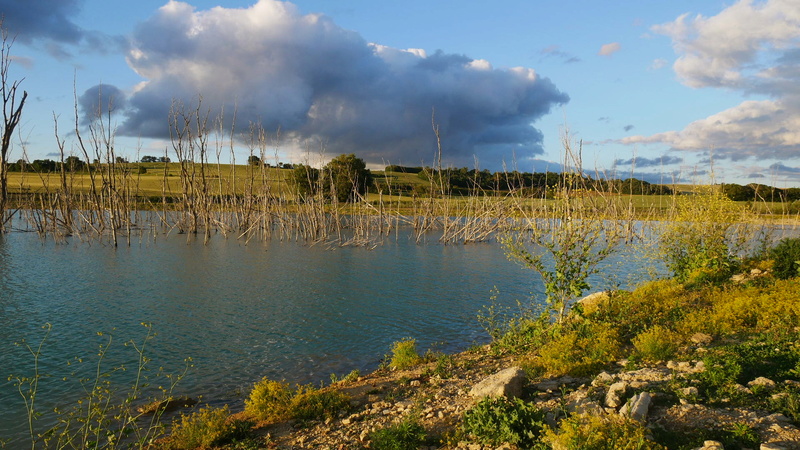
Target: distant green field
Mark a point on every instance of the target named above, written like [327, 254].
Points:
[398, 191]
[160, 177]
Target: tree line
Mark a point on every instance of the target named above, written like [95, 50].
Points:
[759, 192]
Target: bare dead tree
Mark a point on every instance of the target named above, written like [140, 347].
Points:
[12, 112]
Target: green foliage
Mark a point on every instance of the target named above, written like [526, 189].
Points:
[662, 302]
[776, 358]
[701, 242]
[742, 435]
[404, 169]
[207, 427]
[526, 332]
[405, 435]
[346, 177]
[275, 400]
[737, 436]
[269, 400]
[738, 193]
[498, 420]
[567, 241]
[564, 250]
[404, 354]
[579, 351]
[493, 318]
[309, 403]
[787, 258]
[600, 432]
[657, 344]
[306, 180]
[749, 309]
[349, 378]
[444, 366]
[787, 402]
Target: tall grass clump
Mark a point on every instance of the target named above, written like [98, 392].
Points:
[276, 401]
[404, 354]
[269, 400]
[207, 427]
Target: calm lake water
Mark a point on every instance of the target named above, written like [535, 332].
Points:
[278, 309]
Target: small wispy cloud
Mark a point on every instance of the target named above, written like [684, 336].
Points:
[659, 63]
[554, 51]
[627, 127]
[609, 49]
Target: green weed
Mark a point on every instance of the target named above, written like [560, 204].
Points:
[581, 350]
[495, 421]
[349, 378]
[657, 344]
[405, 435]
[404, 354]
[309, 403]
[207, 427]
[269, 400]
[600, 432]
[275, 401]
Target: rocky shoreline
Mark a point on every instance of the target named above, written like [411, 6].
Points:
[386, 397]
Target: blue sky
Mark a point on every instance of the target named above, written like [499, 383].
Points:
[669, 91]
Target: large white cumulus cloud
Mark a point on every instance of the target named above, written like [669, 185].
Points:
[751, 47]
[321, 83]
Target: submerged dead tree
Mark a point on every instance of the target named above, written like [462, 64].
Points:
[12, 112]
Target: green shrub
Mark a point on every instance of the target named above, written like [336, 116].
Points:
[741, 435]
[787, 403]
[309, 403]
[269, 400]
[349, 378]
[404, 354]
[787, 258]
[704, 233]
[761, 356]
[662, 302]
[405, 435]
[657, 344]
[600, 432]
[444, 364]
[752, 309]
[525, 333]
[498, 420]
[275, 401]
[207, 427]
[581, 351]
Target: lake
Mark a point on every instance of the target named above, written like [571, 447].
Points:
[283, 310]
